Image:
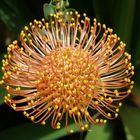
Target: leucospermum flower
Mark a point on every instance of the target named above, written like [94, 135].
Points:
[73, 69]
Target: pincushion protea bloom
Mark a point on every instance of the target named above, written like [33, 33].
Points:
[68, 68]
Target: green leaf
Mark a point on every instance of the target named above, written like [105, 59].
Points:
[119, 15]
[48, 9]
[136, 37]
[99, 133]
[31, 131]
[15, 14]
[102, 10]
[123, 20]
[130, 116]
[2, 94]
[135, 50]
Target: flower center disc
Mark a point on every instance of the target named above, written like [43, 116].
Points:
[68, 75]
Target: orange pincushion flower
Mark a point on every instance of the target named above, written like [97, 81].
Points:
[67, 68]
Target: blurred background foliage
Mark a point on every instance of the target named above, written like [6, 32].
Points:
[121, 15]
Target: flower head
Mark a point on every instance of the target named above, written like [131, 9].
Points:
[69, 68]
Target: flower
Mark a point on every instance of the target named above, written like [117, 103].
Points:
[67, 67]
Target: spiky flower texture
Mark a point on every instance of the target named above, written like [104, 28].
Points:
[68, 69]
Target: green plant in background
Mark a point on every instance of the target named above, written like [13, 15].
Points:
[47, 77]
[55, 6]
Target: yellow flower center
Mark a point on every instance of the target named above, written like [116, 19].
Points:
[68, 75]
